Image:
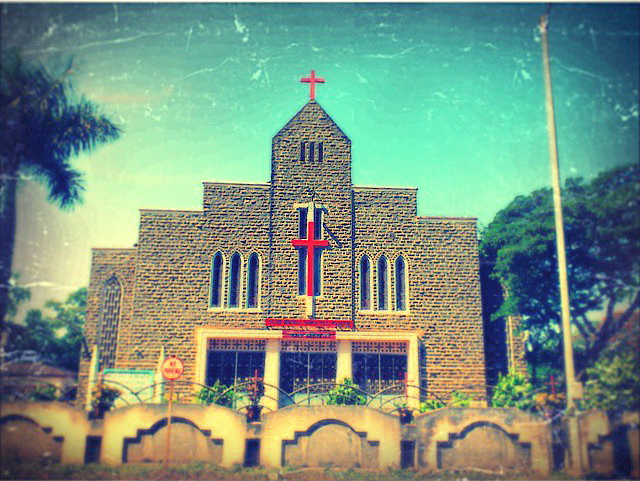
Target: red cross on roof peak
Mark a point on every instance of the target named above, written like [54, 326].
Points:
[313, 80]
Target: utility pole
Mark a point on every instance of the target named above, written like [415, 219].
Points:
[573, 388]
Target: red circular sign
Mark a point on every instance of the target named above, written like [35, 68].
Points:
[172, 368]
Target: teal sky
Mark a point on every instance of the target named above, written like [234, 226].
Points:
[448, 98]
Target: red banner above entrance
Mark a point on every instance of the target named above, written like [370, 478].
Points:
[313, 323]
[299, 334]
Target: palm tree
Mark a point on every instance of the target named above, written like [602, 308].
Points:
[43, 124]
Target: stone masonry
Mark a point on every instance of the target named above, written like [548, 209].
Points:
[166, 276]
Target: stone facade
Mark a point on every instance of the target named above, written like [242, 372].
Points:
[166, 279]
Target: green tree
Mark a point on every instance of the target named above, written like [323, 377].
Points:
[613, 383]
[17, 295]
[513, 390]
[58, 337]
[43, 124]
[602, 225]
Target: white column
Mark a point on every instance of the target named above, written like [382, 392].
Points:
[413, 374]
[271, 374]
[157, 379]
[93, 375]
[344, 364]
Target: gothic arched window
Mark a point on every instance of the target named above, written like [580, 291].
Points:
[253, 281]
[365, 283]
[217, 266]
[401, 284]
[111, 295]
[234, 280]
[383, 284]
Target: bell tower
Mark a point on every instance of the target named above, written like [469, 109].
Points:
[311, 165]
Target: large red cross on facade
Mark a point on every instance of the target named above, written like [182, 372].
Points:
[311, 243]
[313, 80]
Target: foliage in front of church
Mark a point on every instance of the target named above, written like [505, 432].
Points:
[513, 390]
[347, 393]
[103, 398]
[216, 394]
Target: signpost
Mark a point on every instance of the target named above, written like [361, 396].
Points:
[172, 369]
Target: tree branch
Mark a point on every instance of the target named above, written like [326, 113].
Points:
[612, 325]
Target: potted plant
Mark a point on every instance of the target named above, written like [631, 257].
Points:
[346, 394]
[102, 400]
[404, 411]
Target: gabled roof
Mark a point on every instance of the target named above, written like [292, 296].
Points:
[311, 109]
[34, 369]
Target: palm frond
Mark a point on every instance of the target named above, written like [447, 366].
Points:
[64, 183]
[43, 125]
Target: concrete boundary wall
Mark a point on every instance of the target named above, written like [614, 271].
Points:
[127, 423]
[603, 434]
[446, 440]
[287, 426]
[59, 420]
[490, 439]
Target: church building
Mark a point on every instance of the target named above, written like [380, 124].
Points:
[302, 280]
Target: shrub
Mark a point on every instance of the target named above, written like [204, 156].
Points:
[613, 382]
[43, 393]
[431, 405]
[103, 397]
[513, 390]
[214, 394]
[461, 399]
[346, 394]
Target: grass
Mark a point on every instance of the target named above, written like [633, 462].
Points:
[203, 471]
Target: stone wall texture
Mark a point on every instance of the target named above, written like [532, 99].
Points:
[166, 277]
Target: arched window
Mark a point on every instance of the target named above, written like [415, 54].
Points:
[216, 280]
[401, 284]
[365, 283]
[234, 280]
[253, 279]
[383, 284]
[111, 295]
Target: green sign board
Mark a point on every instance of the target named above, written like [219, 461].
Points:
[131, 382]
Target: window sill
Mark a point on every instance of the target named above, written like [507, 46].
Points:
[234, 309]
[385, 313]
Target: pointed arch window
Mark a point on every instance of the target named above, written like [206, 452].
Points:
[401, 284]
[234, 280]
[111, 296]
[365, 283]
[383, 284]
[217, 266]
[253, 281]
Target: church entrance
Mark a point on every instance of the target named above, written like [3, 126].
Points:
[307, 370]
